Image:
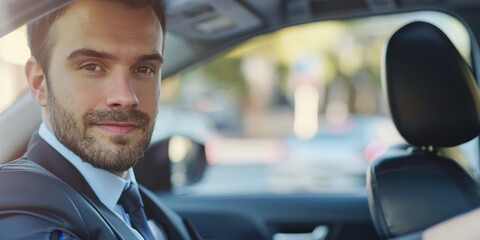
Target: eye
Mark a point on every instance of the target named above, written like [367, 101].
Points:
[145, 70]
[92, 67]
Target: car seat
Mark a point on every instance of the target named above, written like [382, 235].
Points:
[434, 103]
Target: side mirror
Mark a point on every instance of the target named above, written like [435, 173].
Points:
[175, 161]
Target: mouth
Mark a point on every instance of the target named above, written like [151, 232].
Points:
[118, 127]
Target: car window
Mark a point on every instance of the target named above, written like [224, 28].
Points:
[13, 55]
[299, 109]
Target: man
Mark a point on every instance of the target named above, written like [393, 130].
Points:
[95, 72]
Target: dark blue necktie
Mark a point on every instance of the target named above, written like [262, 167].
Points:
[133, 205]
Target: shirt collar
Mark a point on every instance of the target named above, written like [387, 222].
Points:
[107, 186]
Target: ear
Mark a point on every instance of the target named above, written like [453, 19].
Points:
[37, 81]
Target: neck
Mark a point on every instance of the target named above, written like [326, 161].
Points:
[121, 174]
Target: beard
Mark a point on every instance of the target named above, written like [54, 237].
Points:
[116, 156]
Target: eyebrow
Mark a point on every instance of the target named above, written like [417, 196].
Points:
[85, 52]
[150, 57]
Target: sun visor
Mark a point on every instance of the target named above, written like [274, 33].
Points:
[210, 19]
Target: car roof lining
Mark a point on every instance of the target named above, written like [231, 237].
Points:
[188, 50]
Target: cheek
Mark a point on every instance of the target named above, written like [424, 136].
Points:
[149, 97]
[61, 85]
[79, 99]
[76, 100]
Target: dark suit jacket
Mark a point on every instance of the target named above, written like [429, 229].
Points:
[42, 192]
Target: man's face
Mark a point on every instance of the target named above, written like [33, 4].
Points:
[104, 81]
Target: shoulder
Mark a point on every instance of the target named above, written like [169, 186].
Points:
[24, 181]
[30, 192]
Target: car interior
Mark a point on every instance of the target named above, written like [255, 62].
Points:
[254, 139]
[414, 188]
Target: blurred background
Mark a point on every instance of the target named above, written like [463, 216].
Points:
[299, 109]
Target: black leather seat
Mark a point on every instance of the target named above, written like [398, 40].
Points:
[434, 103]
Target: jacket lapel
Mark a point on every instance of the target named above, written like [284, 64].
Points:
[174, 225]
[116, 224]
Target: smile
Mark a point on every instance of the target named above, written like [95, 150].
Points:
[118, 128]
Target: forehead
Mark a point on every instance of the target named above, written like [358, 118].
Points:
[101, 21]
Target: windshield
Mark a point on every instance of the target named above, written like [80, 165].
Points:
[298, 109]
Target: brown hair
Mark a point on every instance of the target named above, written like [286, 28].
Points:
[38, 31]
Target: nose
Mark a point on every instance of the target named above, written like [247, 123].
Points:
[121, 93]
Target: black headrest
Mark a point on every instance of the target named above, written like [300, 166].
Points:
[430, 88]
